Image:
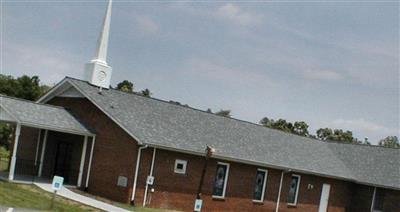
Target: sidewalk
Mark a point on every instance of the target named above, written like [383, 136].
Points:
[64, 192]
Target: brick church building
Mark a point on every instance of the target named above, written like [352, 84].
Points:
[148, 152]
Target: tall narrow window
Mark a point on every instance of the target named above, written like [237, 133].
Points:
[377, 200]
[221, 178]
[259, 190]
[293, 190]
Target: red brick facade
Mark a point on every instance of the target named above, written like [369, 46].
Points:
[115, 155]
[114, 152]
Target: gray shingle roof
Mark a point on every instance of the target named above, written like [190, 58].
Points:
[42, 116]
[163, 124]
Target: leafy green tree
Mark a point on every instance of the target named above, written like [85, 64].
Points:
[146, 92]
[125, 86]
[324, 133]
[298, 128]
[390, 141]
[226, 113]
[6, 131]
[24, 87]
[336, 135]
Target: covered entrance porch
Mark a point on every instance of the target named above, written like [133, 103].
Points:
[47, 141]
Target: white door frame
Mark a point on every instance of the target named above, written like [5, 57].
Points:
[323, 202]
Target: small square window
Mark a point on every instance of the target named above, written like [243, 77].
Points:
[180, 166]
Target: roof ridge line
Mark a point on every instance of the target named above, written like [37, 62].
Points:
[229, 118]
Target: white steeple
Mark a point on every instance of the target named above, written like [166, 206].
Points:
[98, 72]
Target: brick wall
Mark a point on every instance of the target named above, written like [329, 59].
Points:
[177, 191]
[114, 152]
[26, 151]
[362, 199]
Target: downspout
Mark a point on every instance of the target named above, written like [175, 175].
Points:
[279, 192]
[136, 172]
[150, 174]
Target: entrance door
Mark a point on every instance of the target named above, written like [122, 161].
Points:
[63, 157]
[323, 203]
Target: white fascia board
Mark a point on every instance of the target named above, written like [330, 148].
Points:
[6, 116]
[54, 91]
[57, 129]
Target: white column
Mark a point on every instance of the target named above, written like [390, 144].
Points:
[82, 161]
[279, 192]
[14, 153]
[90, 162]
[42, 154]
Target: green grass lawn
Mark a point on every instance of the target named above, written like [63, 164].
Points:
[122, 205]
[30, 196]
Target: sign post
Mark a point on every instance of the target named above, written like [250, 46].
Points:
[56, 185]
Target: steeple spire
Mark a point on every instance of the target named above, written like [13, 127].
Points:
[98, 72]
[103, 39]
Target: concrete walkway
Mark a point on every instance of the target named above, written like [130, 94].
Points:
[64, 192]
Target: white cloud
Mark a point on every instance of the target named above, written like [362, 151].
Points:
[235, 14]
[221, 73]
[50, 64]
[146, 24]
[365, 128]
[325, 75]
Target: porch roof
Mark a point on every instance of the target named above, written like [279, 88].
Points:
[31, 114]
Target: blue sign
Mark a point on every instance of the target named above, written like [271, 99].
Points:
[57, 182]
[197, 205]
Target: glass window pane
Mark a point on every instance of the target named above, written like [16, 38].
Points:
[293, 189]
[258, 191]
[219, 180]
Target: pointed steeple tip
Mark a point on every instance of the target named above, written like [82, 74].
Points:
[103, 39]
[98, 72]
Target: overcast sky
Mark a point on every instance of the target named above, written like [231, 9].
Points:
[330, 64]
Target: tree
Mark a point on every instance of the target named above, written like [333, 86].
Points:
[324, 133]
[146, 92]
[390, 141]
[24, 87]
[298, 128]
[226, 113]
[336, 135]
[125, 86]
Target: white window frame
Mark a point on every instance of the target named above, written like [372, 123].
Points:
[184, 163]
[264, 185]
[225, 181]
[373, 202]
[297, 189]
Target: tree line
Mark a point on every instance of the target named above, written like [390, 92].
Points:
[30, 88]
